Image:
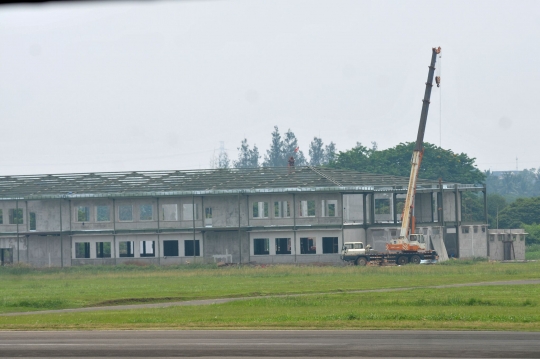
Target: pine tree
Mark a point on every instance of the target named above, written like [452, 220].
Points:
[223, 160]
[330, 153]
[274, 155]
[246, 157]
[289, 146]
[254, 157]
[316, 152]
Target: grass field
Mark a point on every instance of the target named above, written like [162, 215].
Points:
[532, 252]
[329, 305]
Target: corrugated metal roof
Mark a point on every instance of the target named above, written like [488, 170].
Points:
[265, 179]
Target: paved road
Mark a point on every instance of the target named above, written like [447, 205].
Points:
[225, 300]
[370, 344]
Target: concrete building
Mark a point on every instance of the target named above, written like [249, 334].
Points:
[506, 244]
[263, 215]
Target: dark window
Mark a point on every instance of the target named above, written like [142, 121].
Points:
[103, 250]
[170, 248]
[308, 246]
[1, 217]
[147, 248]
[125, 249]
[16, 216]
[188, 248]
[82, 250]
[283, 246]
[330, 245]
[261, 246]
[32, 221]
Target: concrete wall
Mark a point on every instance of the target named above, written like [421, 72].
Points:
[226, 243]
[473, 241]
[506, 244]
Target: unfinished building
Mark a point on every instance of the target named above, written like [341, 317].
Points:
[262, 215]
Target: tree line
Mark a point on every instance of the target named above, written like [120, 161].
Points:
[282, 147]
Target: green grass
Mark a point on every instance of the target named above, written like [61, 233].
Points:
[532, 252]
[25, 289]
[478, 308]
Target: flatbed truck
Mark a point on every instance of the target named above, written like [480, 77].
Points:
[355, 252]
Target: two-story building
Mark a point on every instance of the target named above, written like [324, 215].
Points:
[263, 215]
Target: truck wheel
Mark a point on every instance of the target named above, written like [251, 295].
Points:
[402, 260]
[415, 259]
[361, 261]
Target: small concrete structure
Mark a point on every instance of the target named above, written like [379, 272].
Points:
[506, 244]
[261, 215]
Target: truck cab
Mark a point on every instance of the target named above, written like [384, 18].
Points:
[354, 249]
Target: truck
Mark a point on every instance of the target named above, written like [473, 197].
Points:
[356, 253]
[409, 247]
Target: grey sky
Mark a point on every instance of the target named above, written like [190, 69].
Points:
[156, 85]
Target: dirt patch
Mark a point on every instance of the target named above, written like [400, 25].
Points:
[124, 301]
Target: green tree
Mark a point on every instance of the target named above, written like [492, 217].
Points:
[247, 158]
[316, 152]
[437, 162]
[223, 160]
[329, 153]
[495, 204]
[522, 211]
[534, 233]
[274, 155]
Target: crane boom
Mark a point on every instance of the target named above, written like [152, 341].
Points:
[403, 242]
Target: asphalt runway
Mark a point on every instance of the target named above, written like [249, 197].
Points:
[260, 343]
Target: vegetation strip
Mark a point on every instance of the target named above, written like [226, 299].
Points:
[226, 300]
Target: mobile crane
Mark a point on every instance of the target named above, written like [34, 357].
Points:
[409, 246]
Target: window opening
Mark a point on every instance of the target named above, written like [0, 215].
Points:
[32, 221]
[15, 216]
[125, 213]
[147, 248]
[260, 209]
[103, 250]
[282, 209]
[329, 208]
[6, 256]
[283, 246]
[126, 249]
[382, 206]
[307, 208]
[82, 250]
[308, 245]
[170, 248]
[208, 216]
[103, 214]
[169, 212]
[188, 248]
[330, 245]
[83, 214]
[146, 212]
[1, 217]
[261, 246]
[464, 229]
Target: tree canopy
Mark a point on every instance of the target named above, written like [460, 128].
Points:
[436, 163]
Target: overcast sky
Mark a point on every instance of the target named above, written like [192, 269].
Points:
[157, 85]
